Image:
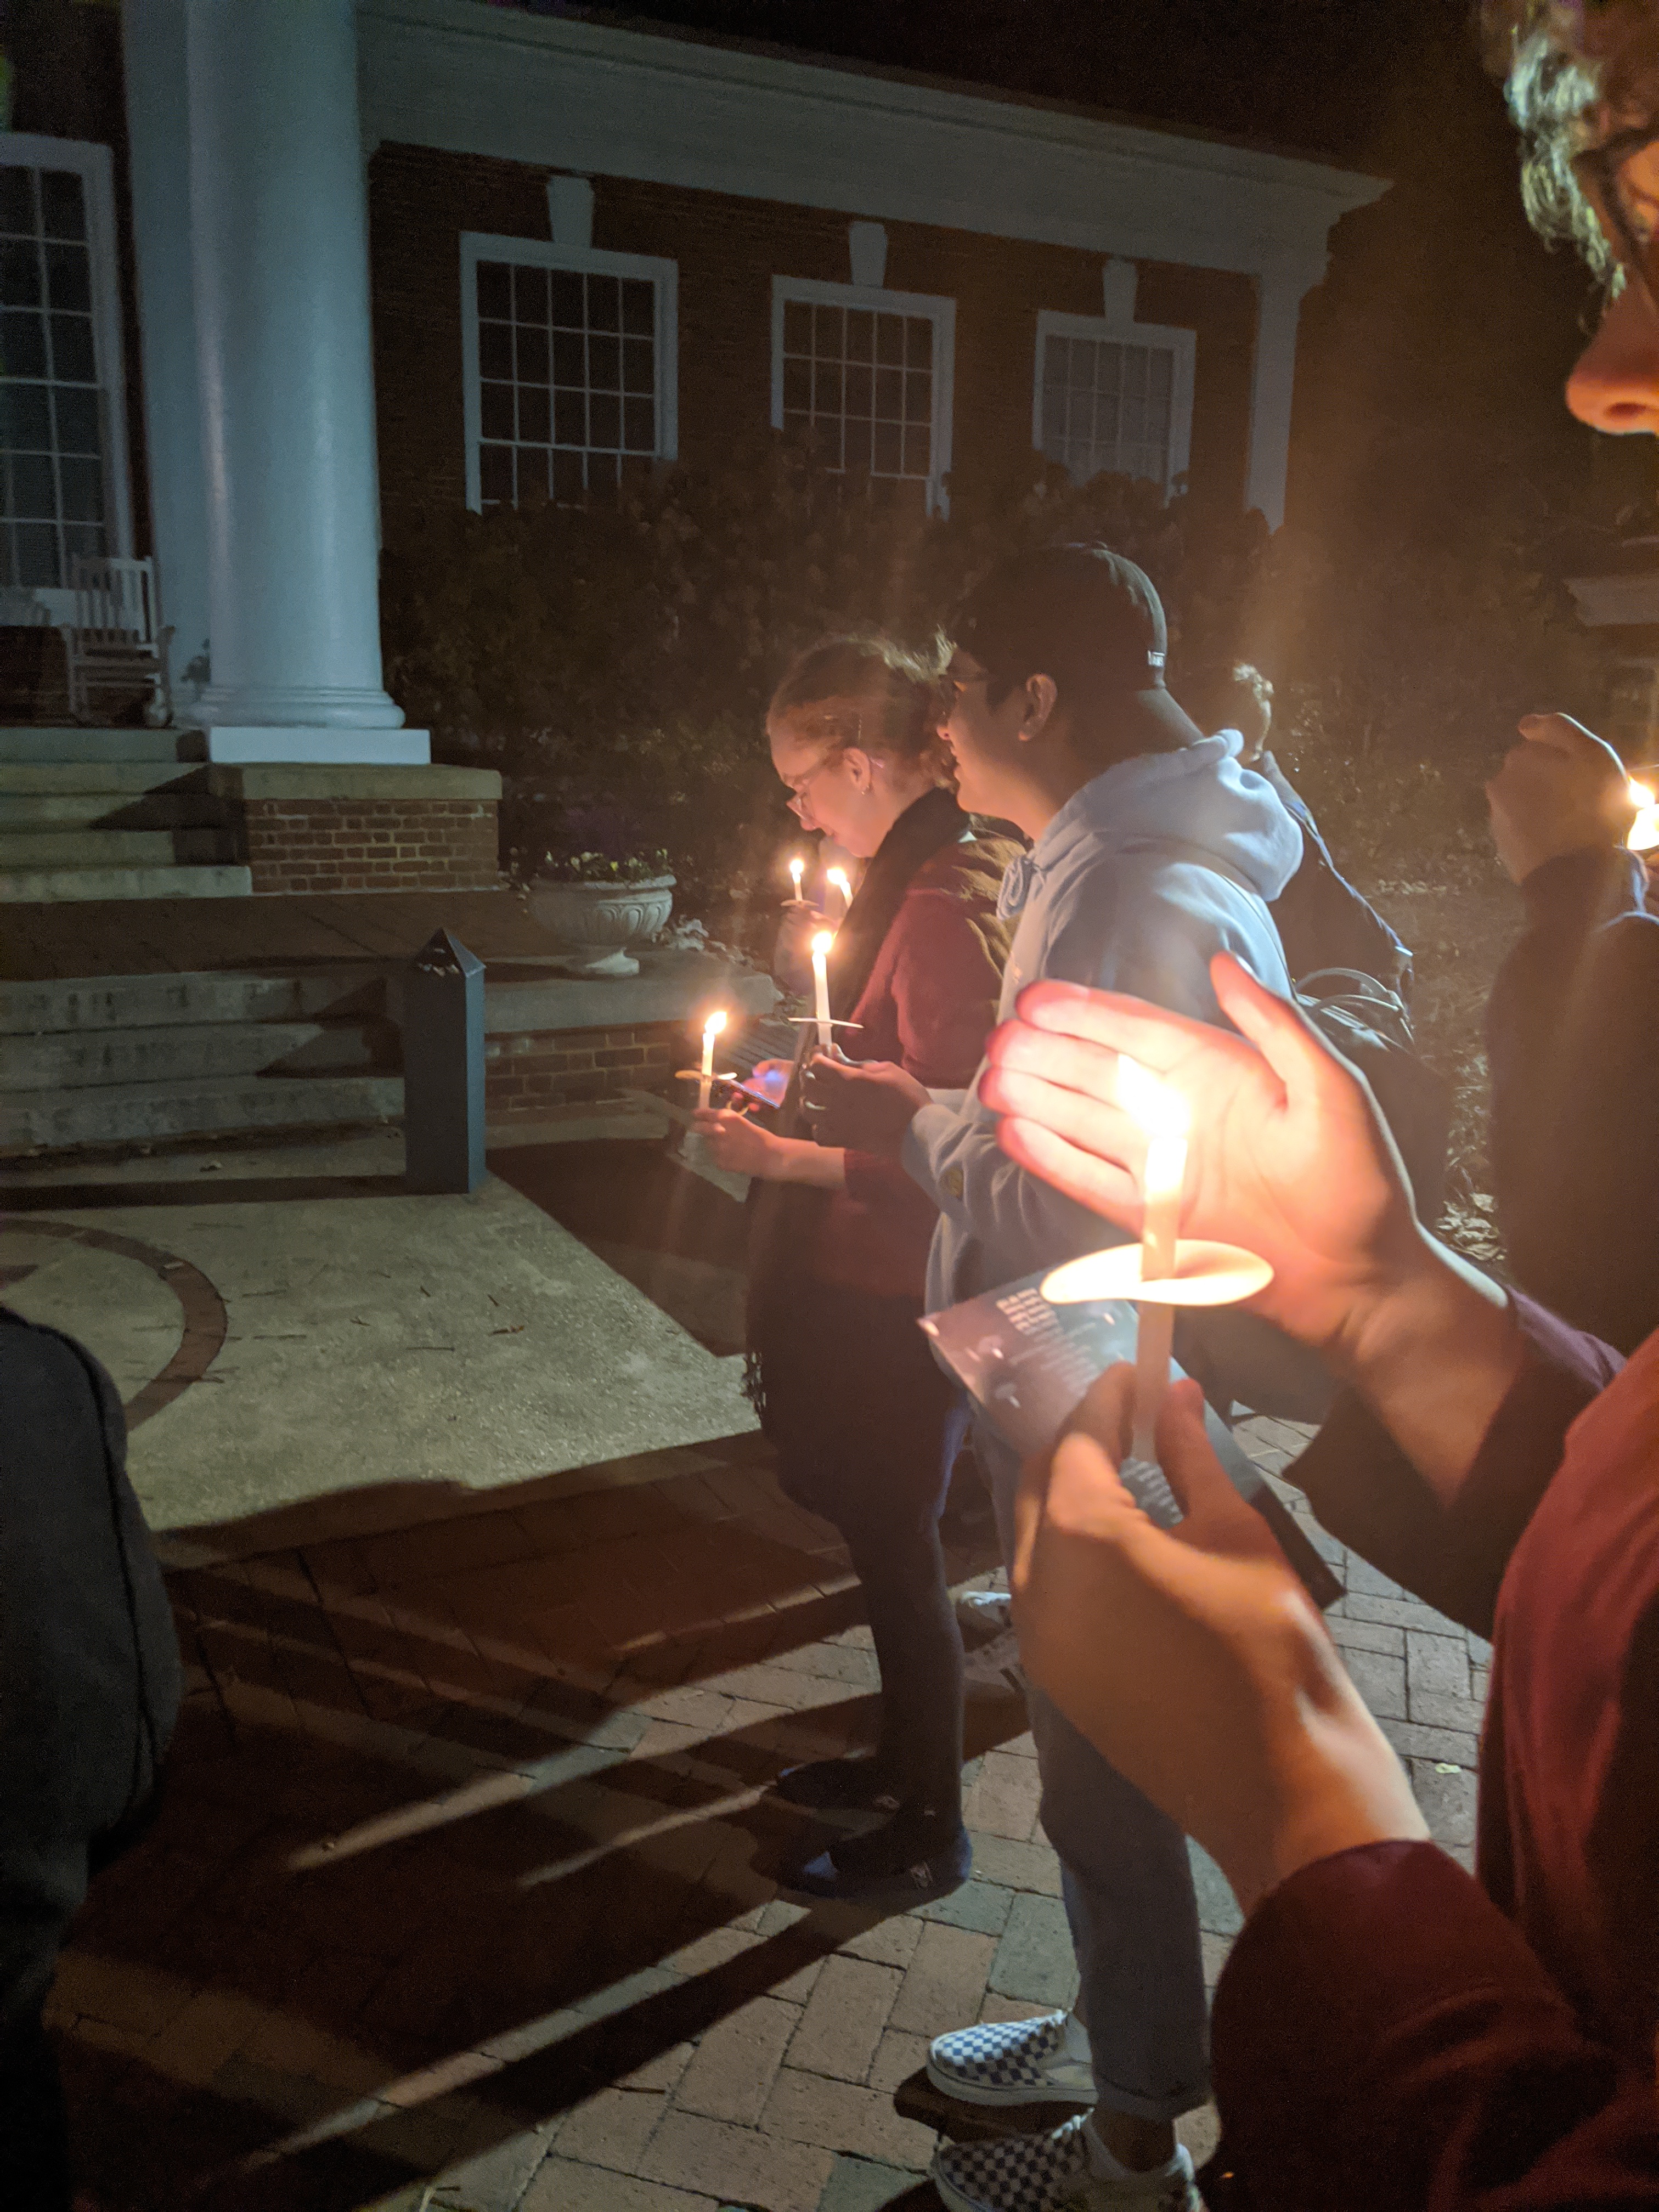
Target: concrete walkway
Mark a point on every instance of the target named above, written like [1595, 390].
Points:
[382, 1358]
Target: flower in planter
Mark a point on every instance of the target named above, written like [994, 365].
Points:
[599, 868]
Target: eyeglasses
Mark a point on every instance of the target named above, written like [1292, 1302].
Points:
[1628, 212]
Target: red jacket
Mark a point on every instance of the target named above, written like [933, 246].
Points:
[929, 1005]
[1387, 2033]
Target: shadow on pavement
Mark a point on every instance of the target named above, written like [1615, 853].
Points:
[463, 1825]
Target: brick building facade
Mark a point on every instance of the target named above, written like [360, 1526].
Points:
[726, 251]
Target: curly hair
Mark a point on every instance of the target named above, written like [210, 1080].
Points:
[867, 691]
[1574, 71]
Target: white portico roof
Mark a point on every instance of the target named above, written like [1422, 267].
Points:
[475, 79]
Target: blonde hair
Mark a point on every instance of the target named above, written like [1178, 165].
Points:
[867, 692]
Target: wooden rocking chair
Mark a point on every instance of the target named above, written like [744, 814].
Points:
[116, 642]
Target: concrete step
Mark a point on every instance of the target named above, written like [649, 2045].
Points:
[110, 810]
[104, 745]
[108, 848]
[32, 886]
[121, 779]
[134, 1113]
[82, 1004]
[76, 1060]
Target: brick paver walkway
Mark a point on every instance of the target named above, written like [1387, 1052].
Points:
[463, 1894]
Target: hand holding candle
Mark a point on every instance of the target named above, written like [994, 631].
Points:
[820, 944]
[711, 1029]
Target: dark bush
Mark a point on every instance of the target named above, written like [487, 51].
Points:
[620, 655]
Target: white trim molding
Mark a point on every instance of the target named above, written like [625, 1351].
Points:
[1181, 345]
[923, 305]
[586, 97]
[94, 165]
[539, 253]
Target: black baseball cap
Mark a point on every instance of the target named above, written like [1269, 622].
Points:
[1092, 620]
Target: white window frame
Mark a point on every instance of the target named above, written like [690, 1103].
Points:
[96, 166]
[1112, 329]
[941, 313]
[663, 275]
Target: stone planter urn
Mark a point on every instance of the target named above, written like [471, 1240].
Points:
[596, 923]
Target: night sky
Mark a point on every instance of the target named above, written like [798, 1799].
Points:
[1445, 329]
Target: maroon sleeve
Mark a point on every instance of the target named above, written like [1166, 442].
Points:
[1384, 2041]
[1368, 1494]
[946, 979]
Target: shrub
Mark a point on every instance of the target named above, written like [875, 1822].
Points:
[620, 655]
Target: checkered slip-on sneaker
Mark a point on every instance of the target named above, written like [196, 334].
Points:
[1051, 2173]
[1011, 2062]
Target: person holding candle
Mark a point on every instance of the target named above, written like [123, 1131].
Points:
[1387, 2032]
[1151, 850]
[866, 1426]
[1570, 1027]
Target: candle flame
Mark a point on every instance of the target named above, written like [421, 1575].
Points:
[797, 869]
[1160, 1110]
[839, 879]
[822, 941]
[714, 1025]
[1644, 830]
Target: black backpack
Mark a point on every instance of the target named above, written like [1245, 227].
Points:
[1367, 1025]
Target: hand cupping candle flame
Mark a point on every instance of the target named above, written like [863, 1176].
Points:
[1162, 1271]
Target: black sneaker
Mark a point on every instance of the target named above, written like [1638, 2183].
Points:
[911, 1861]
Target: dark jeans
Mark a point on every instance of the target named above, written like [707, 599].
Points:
[898, 1559]
[867, 1429]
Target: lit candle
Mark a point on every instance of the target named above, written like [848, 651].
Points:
[1162, 1113]
[1644, 830]
[821, 945]
[797, 870]
[838, 877]
[711, 1029]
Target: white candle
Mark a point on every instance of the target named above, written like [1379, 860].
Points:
[1162, 1113]
[821, 945]
[1644, 830]
[797, 870]
[838, 877]
[711, 1029]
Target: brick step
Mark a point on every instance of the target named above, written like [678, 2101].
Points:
[111, 810]
[102, 745]
[109, 848]
[34, 886]
[181, 1054]
[134, 1113]
[83, 1003]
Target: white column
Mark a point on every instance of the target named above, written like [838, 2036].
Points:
[158, 133]
[1279, 290]
[279, 237]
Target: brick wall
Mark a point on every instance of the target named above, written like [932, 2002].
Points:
[309, 845]
[728, 250]
[527, 1073]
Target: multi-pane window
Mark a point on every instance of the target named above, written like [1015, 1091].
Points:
[569, 373]
[52, 443]
[865, 375]
[1114, 403]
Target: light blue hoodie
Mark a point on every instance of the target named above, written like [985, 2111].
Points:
[1142, 875]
